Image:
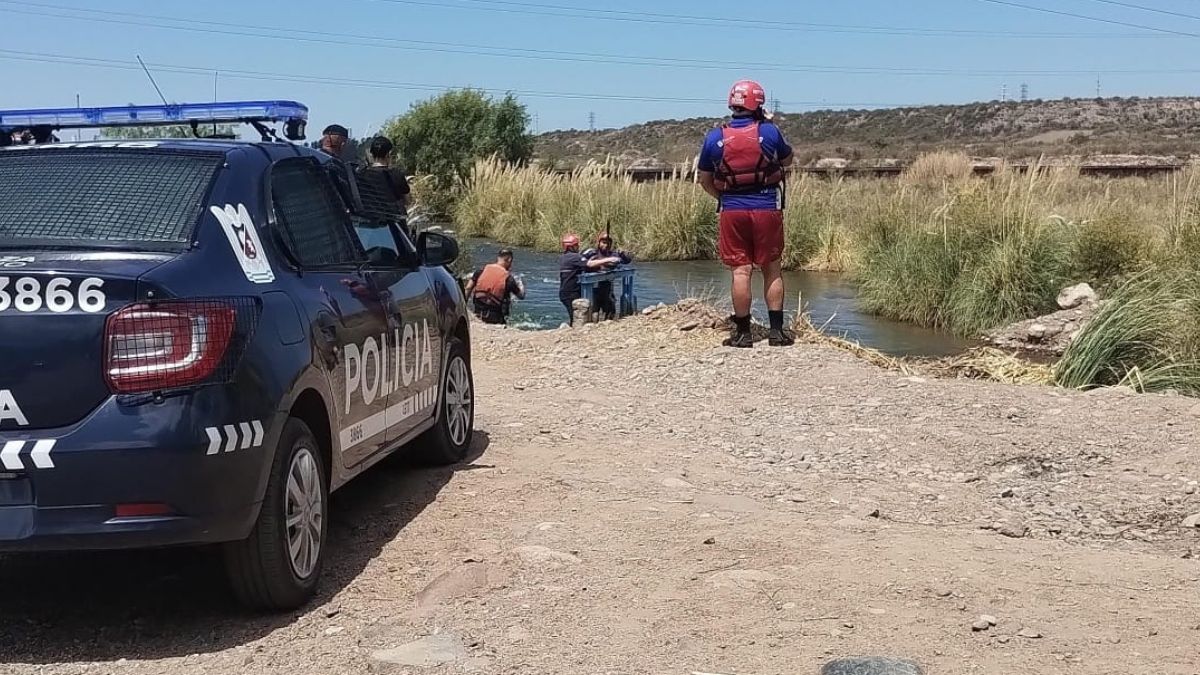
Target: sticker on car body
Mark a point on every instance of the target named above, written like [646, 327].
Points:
[39, 454]
[232, 437]
[59, 294]
[243, 239]
[14, 261]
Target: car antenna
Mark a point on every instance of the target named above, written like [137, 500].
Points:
[151, 77]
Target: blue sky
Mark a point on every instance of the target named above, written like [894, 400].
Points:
[587, 60]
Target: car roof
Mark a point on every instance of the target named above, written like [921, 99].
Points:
[211, 145]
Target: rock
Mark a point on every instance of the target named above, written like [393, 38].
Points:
[677, 484]
[980, 625]
[546, 557]
[1029, 634]
[797, 498]
[1192, 520]
[871, 666]
[435, 650]
[689, 326]
[1072, 297]
[650, 310]
[991, 620]
[1007, 493]
[462, 581]
[1014, 530]
[1036, 332]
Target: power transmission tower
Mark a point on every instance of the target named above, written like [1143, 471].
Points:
[1004, 93]
[1097, 86]
[591, 121]
[1024, 92]
[775, 106]
[536, 124]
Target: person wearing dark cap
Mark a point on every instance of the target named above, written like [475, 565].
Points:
[493, 287]
[333, 140]
[381, 161]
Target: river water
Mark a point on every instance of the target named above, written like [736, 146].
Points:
[831, 299]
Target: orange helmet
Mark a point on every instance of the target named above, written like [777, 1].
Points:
[748, 94]
[569, 241]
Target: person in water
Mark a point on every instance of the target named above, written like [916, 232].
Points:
[493, 287]
[570, 266]
[606, 303]
[743, 165]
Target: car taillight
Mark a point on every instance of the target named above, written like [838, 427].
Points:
[166, 345]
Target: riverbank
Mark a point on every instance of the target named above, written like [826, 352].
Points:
[938, 247]
[642, 500]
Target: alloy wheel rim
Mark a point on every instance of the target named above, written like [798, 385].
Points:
[459, 402]
[305, 513]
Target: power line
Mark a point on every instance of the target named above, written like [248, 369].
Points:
[206, 71]
[541, 9]
[1143, 8]
[1085, 17]
[359, 40]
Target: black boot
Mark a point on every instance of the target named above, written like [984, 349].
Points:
[741, 337]
[777, 336]
[780, 338]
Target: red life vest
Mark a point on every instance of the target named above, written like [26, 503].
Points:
[744, 166]
[491, 289]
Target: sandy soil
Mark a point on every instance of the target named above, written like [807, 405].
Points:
[642, 500]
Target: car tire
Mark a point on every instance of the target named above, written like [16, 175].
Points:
[449, 441]
[275, 568]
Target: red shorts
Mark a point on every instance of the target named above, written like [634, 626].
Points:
[750, 237]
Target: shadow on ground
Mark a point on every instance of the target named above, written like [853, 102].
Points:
[172, 603]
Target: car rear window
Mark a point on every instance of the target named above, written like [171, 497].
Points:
[148, 198]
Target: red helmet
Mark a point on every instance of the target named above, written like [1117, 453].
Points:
[569, 241]
[748, 94]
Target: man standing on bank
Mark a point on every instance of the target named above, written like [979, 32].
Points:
[742, 165]
[572, 265]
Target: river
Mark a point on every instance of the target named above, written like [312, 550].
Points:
[831, 299]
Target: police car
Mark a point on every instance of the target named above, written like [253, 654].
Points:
[201, 339]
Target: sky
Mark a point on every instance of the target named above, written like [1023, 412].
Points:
[360, 62]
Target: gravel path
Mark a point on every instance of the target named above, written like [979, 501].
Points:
[644, 501]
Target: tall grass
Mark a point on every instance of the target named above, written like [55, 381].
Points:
[1144, 337]
[940, 247]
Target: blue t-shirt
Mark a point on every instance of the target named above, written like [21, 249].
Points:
[773, 144]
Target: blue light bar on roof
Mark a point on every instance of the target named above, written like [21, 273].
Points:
[151, 115]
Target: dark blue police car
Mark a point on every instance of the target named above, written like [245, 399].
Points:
[201, 339]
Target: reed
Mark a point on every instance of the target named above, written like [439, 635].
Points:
[939, 247]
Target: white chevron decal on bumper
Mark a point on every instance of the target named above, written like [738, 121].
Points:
[39, 454]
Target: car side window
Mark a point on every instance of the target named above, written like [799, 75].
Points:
[315, 224]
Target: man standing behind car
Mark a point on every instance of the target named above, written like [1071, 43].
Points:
[381, 160]
[334, 139]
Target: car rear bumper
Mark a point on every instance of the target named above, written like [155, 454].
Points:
[170, 472]
[91, 528]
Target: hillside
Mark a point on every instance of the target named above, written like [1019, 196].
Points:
[1139, 126]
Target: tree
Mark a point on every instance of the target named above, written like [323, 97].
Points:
[174, 131]
[443, 136]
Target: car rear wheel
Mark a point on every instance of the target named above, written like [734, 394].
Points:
[277, 567]
[450, 440]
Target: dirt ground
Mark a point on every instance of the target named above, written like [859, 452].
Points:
[642, 500]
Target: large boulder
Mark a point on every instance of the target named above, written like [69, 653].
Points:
[1077, 295]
